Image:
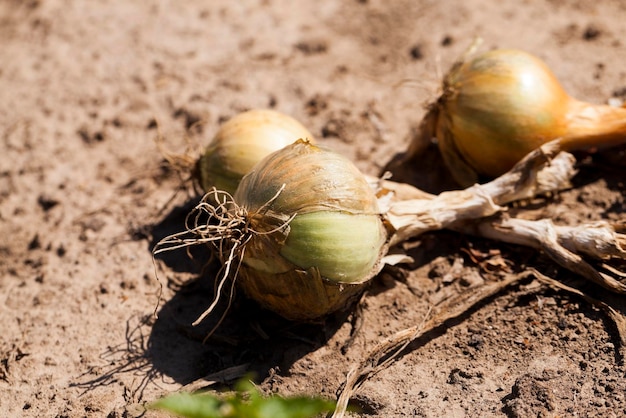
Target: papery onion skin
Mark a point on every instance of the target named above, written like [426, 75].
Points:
[332, 237]
[500, 105]
[243, 141]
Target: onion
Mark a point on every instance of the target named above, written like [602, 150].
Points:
[304, 230]
[500, 105]
[243, 141]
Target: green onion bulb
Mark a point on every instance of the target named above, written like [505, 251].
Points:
[310, 232]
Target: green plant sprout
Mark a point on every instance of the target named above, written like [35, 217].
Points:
[245, 402]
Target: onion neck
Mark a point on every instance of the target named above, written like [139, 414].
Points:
[592, 127]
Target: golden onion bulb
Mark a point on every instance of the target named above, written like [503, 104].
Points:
[243, 141]
[314, 235]
[500, 105]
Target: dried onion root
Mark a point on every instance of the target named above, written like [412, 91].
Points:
[566, 245]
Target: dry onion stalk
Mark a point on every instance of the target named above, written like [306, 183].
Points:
[498, 106]
[586, 250]
[480, 210]
[412, 212]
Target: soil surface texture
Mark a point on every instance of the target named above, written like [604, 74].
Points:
[87, 88]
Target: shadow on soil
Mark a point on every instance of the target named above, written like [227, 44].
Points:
[248, 341]
[258, 341]
[428, 173]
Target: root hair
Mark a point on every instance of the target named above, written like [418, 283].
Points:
[219, 222]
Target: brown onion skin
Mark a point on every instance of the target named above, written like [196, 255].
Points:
[319, 234]
[243, 141]
[500, 105]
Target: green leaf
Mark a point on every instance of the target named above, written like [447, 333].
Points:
[247, 402]
[191, 405]
[294, 407]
